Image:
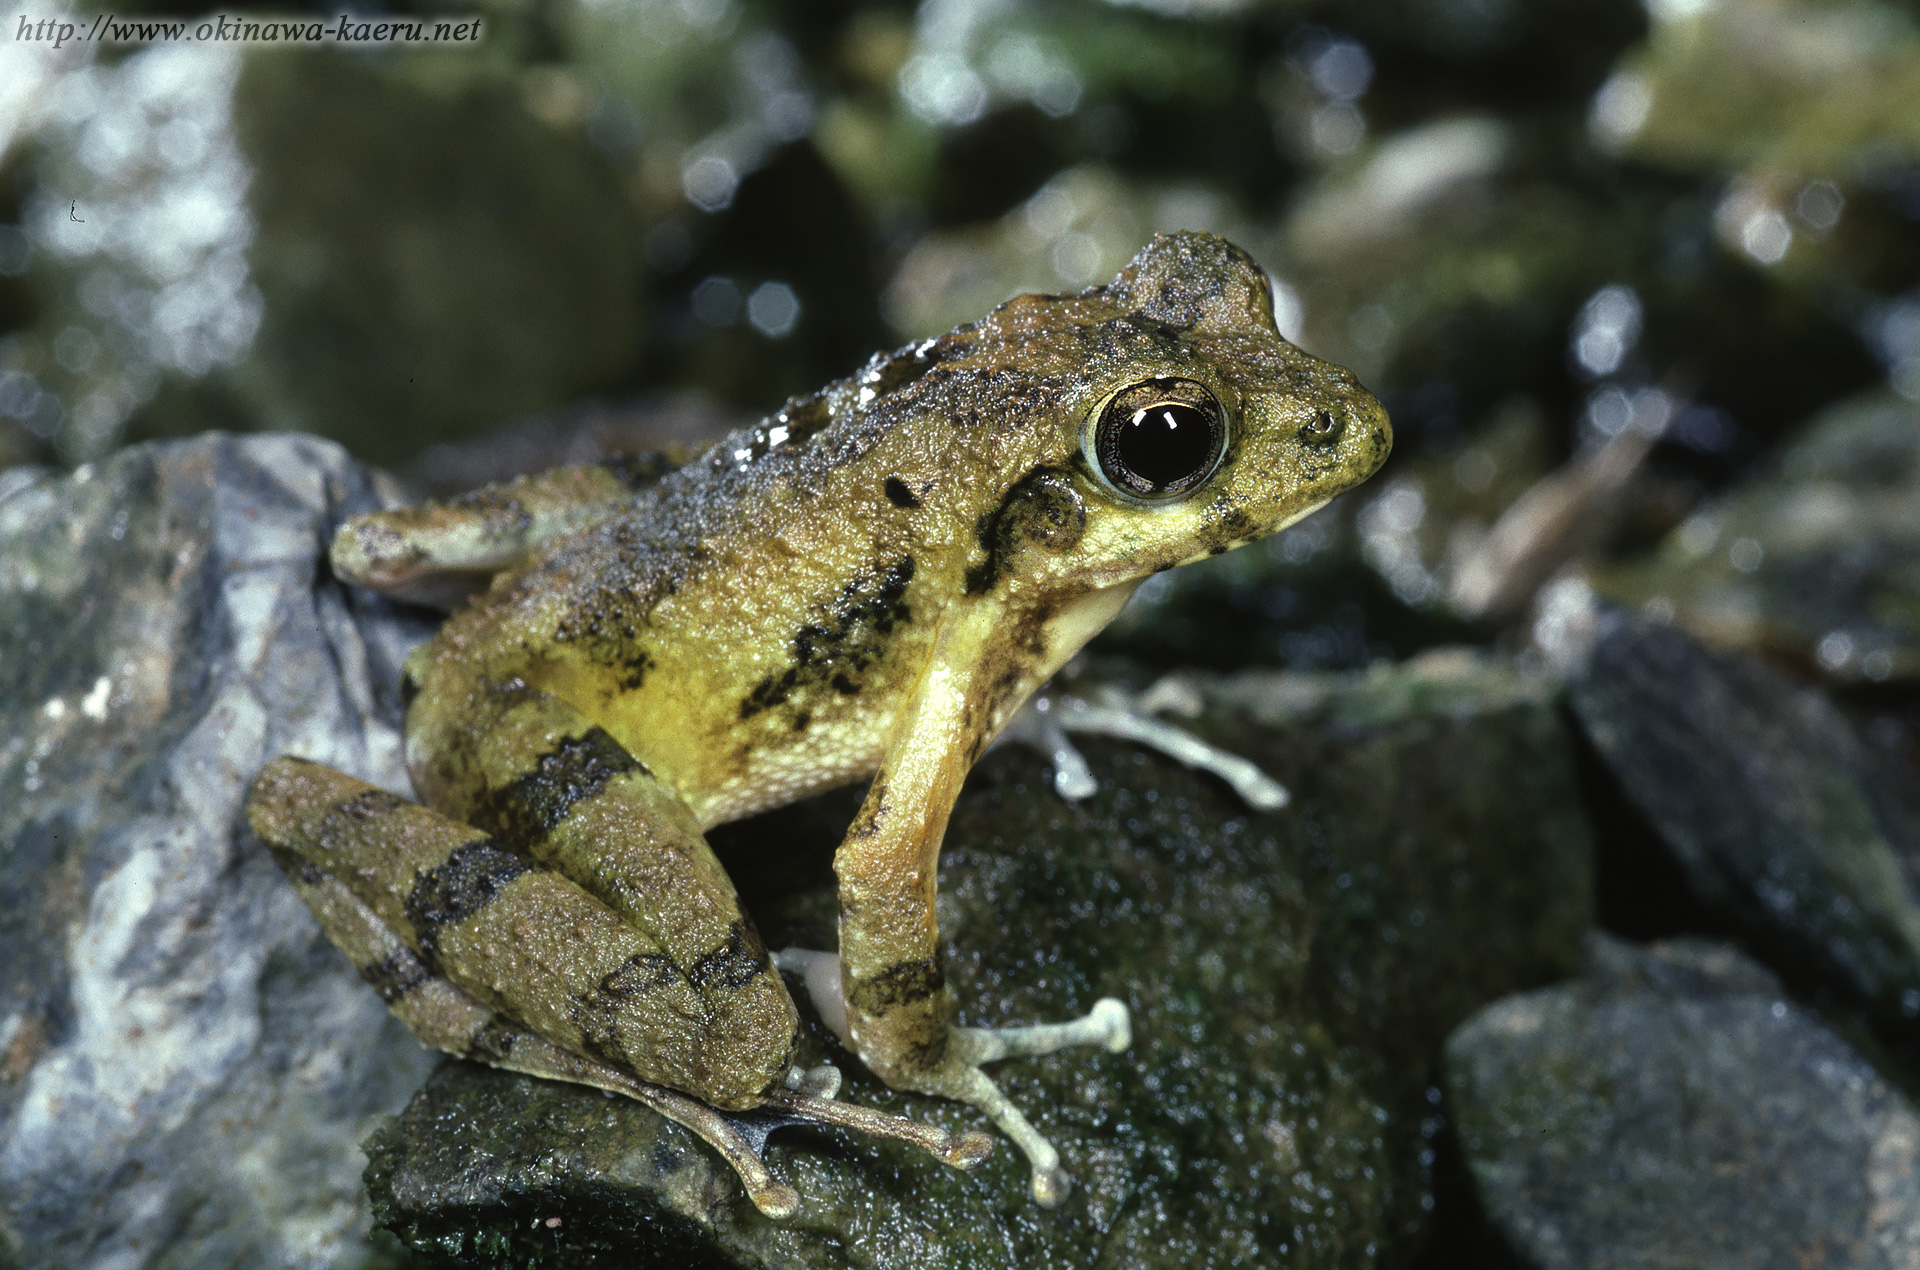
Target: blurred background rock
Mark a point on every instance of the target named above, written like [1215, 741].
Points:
[1639, 283]
[624, 223]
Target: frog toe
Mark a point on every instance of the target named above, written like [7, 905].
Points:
[1108, 1025]
[1047, 718]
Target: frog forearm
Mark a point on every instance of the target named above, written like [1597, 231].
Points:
[434, 551]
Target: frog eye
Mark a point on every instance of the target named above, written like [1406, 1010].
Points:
[1160, 438]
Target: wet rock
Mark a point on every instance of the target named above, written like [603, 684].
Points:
[186, 1066]
[1781, 818]
[1674, 1107]
[1817, 559]
[1291, 976]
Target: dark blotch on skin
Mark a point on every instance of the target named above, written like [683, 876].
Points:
[493, 1043]
[638, 974]
[908, 983]
[465, 882]
[575, 770]
[736, 963]
[899, 495]
[840, 652]
[607, 625]
[1043, 510]
[396, 974]
[638, 471]
[298, 866]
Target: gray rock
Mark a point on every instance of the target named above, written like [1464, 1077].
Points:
[1674, 1108]
[186, 1066]
[1782, 819]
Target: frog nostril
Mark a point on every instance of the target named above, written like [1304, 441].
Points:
[1323, 429]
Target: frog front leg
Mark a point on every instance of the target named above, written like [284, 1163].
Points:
[890, 995]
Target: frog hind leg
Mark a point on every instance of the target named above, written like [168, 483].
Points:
[530, 768]
[533, 768]
[523, 939]
[305, 812]
[443, 1017]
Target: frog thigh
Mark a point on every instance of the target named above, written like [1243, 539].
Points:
[530, 768]
[440, 1015]
[522, 940]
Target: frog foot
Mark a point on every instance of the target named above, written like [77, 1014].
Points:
[808, 1098]
[1107, 1025]
[1050, 714]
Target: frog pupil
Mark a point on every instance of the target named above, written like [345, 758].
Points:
[1161, 448]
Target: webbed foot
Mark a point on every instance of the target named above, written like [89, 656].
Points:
[1107, 1025]
[741, 1136]
[1050, 714]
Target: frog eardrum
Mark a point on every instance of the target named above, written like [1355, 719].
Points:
[1159, 439]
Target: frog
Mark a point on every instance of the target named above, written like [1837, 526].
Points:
[868, 584]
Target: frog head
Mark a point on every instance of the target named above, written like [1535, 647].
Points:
[1149, 422]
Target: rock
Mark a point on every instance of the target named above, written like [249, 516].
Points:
[186, 1066]
[1673, 1107]
[1782, 819]
[1816, 560]
[1291, 977]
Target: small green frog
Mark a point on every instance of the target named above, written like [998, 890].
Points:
[869, 583]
